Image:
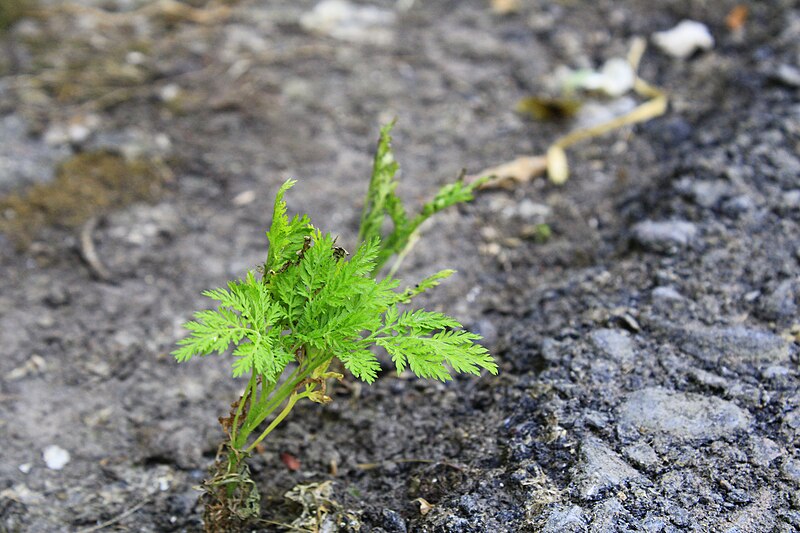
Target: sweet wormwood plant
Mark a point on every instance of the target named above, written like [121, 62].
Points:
[311, 305]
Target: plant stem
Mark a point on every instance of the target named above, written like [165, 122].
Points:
[293, 399]
[267, 403]
[249, 388]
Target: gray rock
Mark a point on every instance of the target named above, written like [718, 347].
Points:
[791, 470]
[681, 415]
[600, 469]
[708, 379]
[614, 344]
[704, 193]
[563, 519]
[788, 74]
[666, 236]
[24, 160]
[781, 303]
[642, 454]
[759, 516]
[610, 516]
[393, 522]
[732, 346]
[762, 451]
[791, 199]
[666, 294]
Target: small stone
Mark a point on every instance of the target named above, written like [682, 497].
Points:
[763, 451]
[775, 371]
[791, 470]
[680, 415]
[393, 522]
[666, 236]
[684, 39]
[735, 346]
[781, 303]
[791, 199]
[709, 379]
[169, 93]
[600, 469]
[563, 519]
[55, 457]
[789, 75]
[613, 344]
[25, 468]
[666, 294]
[642, 454]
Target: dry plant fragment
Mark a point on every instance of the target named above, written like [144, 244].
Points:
[554, 162]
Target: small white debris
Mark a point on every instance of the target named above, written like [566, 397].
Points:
[78, 132]
[34, 365]
[350, 22]
[684, 39]
[244, 198]
[163, 142]
[25, 468]
[22, 494]
[614, 79]
[169, 93]
[55, 457]
[163, 483]
[56, 135]
[135, 58]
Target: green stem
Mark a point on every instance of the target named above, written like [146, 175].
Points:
[293, 399]
[249, 388]
[266, 405]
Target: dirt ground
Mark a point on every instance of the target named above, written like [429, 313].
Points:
[648, 347]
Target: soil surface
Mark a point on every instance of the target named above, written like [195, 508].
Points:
[648, 345]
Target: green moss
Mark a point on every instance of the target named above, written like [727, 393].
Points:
[86, 185]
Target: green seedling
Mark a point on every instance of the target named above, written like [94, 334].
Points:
[310, 304]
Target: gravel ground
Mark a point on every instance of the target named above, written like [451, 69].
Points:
[648, 347]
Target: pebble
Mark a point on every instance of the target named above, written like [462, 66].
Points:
[763, 451]
[666, 294]
[781, 303]
[614, 344]
[791, 470]
[23, 159]
[642, 454]
[705, 193]
[600, 469]
[665, 236]
[563, 519]
[734, 346]
[55, 457]
[708, 379]
[789, 75]
[681, 415]
[684, 39]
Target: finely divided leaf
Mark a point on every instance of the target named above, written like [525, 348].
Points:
[362, 364]
[380, 195]
[286, 238]
[424, 285]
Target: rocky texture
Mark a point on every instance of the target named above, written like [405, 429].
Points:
[657, 411]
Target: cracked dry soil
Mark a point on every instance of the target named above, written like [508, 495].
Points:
[648, 348]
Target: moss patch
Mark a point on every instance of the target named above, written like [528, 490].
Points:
[86, 185]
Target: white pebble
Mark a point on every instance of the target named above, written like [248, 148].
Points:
[55, 457]
[684, 39]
